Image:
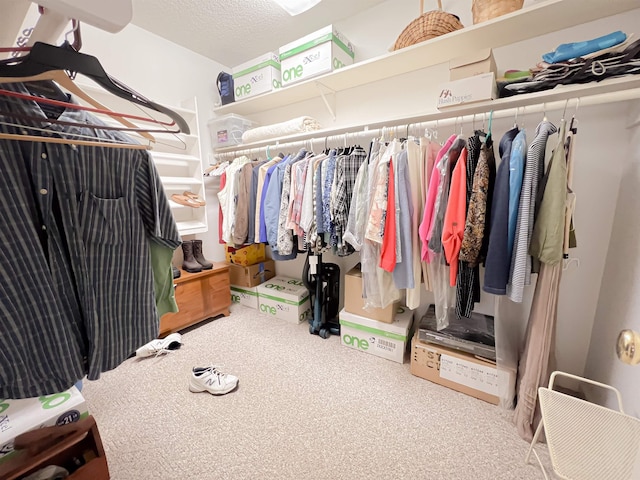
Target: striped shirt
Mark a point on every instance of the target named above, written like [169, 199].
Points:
[520, 274]
[347, 173]
[76, 285]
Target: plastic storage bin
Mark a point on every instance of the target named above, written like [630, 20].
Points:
[227, 130]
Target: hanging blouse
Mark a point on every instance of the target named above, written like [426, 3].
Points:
[548, 231]
[468, 281]
[403, 274]
[498, 261]
[445, 168]
[454, 219]
[476, 230]
[429, 208]
[388, 253]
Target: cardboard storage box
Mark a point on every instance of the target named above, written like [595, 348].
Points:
[257, 76]
[20, 416]
[227, 130]
[319, 52]
[467, 90]
[247, 296]
[285, 298]
[253, 275]
[458, 370]
[386, 340]
[245, 256]
[476, 63]
[354, 303]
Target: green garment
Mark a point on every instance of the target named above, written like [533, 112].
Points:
[548, 232]
[161, 257]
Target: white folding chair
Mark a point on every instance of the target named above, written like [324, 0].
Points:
[586, 441]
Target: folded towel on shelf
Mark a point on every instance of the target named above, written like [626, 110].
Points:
[290, 127]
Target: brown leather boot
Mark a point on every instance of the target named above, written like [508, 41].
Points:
[197, 254]
[189, 263]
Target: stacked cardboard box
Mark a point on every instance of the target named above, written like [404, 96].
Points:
[460, 371]
[354, 303]
[285, 298]
[248, 268]
[386, 340]
[259, 75]
[319, 52]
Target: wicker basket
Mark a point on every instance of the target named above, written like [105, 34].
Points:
[428, 25]
[484, 10]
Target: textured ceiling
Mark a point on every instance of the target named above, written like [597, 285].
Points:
[234, 31]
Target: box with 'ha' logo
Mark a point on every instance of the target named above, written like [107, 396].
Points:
[467, 90]
[285, 298]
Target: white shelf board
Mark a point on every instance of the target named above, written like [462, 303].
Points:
[180, 181]
[611, 90]
[170, 160]
[176, 206]
[174, 142]
[531, 22]
[191, 227]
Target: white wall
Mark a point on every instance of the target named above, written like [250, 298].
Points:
[619, 301]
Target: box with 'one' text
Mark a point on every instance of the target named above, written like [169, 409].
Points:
[319, 52]
[285, 298]
[20, 416]
[386, 340]
[247, 296]
[257, 76]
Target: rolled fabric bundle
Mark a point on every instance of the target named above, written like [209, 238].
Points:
[290, 127]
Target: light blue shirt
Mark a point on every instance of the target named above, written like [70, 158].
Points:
[516, 172]
[403, 272]
[263, 203]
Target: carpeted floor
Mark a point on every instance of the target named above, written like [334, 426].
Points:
[305, 408]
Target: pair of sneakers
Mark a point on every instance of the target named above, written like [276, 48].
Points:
[203, 379]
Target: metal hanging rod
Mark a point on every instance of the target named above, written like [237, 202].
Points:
[517, 107]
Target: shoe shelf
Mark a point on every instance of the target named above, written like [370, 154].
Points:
[179, 181]
[531, 22]
[177, 157]
[189, 227]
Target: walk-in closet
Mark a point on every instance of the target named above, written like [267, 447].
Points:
[319, 240]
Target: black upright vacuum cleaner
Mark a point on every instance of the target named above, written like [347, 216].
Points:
[324, 295]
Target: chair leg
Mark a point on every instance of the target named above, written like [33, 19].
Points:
[531, 450]
[534, 441]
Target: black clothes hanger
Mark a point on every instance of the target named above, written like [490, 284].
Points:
[45, 58]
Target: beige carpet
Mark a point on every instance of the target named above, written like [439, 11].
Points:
[306, 408]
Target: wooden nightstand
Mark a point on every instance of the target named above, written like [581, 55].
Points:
[199, 296]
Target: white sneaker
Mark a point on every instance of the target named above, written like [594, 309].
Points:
[161, 345]
[212, 380]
